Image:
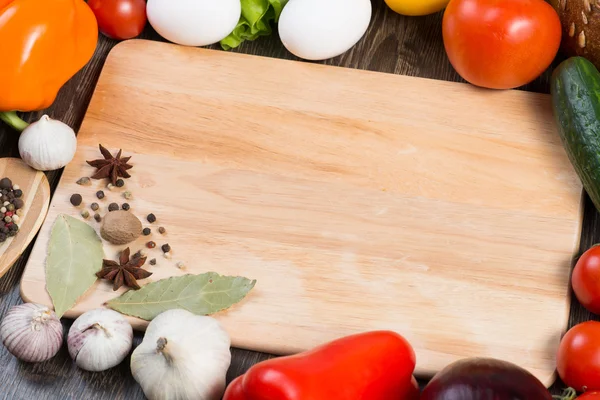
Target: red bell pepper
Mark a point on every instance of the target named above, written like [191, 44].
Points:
[367, 366]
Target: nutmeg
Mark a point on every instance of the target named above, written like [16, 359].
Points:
[120, 227]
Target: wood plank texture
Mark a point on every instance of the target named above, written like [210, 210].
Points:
[36, 195]
[393, 44]
[358, 200]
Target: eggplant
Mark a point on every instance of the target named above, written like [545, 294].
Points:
[484, 379]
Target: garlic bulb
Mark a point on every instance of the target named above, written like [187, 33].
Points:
[47, 144]
[99, 339]
[183, 356]
[31, 332]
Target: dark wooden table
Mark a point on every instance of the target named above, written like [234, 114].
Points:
[393, 44]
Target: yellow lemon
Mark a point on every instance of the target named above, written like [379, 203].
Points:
[417, 7]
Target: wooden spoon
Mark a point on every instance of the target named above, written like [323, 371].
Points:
[36, 195]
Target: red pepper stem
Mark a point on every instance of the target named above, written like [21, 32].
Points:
[12, 119]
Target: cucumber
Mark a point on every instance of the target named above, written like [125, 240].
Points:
[575, 89]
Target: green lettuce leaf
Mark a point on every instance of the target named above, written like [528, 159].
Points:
[256, 19]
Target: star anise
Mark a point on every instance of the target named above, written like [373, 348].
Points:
[126, 271]
[111, 167]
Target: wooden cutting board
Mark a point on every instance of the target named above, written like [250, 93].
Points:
[358, 200]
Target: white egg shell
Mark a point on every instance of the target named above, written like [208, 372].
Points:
[322, 29]
[194, 22]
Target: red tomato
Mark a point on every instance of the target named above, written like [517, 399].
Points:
[586, 279]
[501, 44]
[589, 396]
[120, 19]
[578, 359]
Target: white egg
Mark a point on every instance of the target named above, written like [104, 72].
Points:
[322, 29]
[194, 22]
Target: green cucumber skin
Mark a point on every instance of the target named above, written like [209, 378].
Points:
[575, 89]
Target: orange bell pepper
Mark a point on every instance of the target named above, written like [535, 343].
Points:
[43, 44]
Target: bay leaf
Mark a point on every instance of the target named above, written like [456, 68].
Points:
[75, 254]
[202, 294]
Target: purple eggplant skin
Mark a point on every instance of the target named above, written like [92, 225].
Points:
[484, 379]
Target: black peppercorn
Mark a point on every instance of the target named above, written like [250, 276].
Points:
[14, 227]
[97, 217]
[120, 183]
[4, 229]
[146, 231]
[125, 206]
[166, 248]
[153, 261]
[12, 233]
[18, 203]
[5, 183]
[2, 237]
[94, 206]
[100, 194]
[151, 218]
[113, 207]
[162, 230]
[76, 199]
[18, 193]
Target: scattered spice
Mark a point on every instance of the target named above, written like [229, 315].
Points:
[153, 261]
[120, 227]
[150, 245]
[151, 218]
[11, 208]
[125, 272]
[146, 231]
[167, 255]
[166, 248]
[110, 186]
[111, 167]
[100, 194]
[94, 206]
[97, 217]
[120, 182]
[76, 199]
[162, 230]
[139, 253]
[113, 207]
[5, 183]
[125, 206]
[85, 181]
[180, 265]
[85, 214]
[127, 195]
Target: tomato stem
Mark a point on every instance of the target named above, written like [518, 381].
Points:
[12, 119]
[568, 394]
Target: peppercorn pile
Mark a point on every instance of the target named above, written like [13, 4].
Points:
[11, 208]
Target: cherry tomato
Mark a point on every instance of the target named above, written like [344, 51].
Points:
[586, 279]
[578, 358]
[120, 19]
[501, 44]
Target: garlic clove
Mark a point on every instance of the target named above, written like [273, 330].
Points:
[31, 332]
[99, 339]
[182, 356]
[47, 144]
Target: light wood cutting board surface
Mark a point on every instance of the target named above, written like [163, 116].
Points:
[358, 201]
